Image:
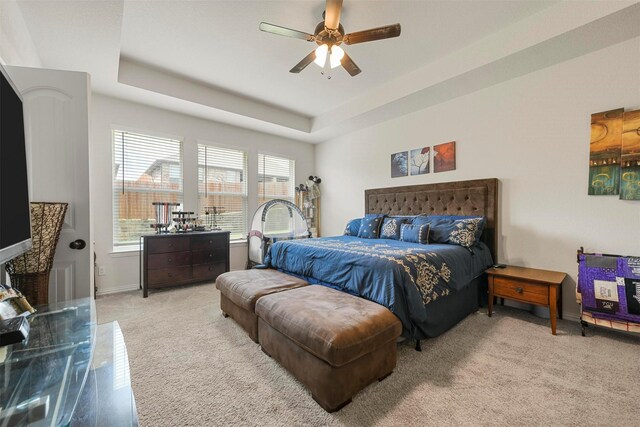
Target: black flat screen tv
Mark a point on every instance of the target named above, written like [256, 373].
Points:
[15, 211]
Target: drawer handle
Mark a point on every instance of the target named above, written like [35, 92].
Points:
[170, 259]
[170, 274]
[210, 241]
[519, 290]
[210, 255]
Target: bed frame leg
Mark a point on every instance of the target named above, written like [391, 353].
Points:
[418, 346]
[583, 327]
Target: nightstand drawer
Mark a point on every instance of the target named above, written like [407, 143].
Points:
[523, 291]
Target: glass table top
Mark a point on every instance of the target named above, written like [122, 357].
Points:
[42, 377]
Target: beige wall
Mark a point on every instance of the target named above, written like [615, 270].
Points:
[533, 134]
[122, 268]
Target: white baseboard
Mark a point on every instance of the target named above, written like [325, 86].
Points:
[126, 288]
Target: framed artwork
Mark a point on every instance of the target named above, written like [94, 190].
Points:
[399, 164]
[605, 152]
[630, 161]
[419, 161]
[444, 157]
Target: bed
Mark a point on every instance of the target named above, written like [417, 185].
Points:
[429, 288]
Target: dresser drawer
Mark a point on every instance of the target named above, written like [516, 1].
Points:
[208, 271]
[168, 244]
[168, 276]
[519, 290]
[212, 255]
[169, 259]
[216, 241]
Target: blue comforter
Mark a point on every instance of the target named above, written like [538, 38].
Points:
[404, 277]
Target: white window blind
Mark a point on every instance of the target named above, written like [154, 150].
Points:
[146, 169]
[276, 178]
[222, 183]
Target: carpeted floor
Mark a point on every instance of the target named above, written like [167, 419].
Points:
[192, 367]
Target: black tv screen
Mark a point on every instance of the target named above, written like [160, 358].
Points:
[15, 219]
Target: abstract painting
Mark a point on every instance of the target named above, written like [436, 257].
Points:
[604, 152]
[630, 162]
[444, 157]
[419, 161]
[399, 164]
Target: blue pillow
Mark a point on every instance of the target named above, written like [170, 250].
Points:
[391, 228]
[463, 231]
[415, 233]
[353, 227]
[408, 219]
[370, 227]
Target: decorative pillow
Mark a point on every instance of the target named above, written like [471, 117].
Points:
[391, 228]
[370, 227]
[353, 227]
[456, 230]
[375, 215]
[408, 219]
[415, 233]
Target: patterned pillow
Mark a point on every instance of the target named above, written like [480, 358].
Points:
[353, 227]
[415, 233]
[391, 228]
[461, 231]
[370, 227]
[370, 215]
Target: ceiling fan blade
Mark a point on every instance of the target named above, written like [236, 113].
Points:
[332, 14]
[379, 33]
[350, 66]
[303, 64]
[287, 32]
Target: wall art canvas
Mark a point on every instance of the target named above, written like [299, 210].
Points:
[419, 163]
[630, 163]
[399, 164]
[605, 152]
[444, 157]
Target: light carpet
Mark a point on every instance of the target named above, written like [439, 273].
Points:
[192, 367]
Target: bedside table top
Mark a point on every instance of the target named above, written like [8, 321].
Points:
[532, 274]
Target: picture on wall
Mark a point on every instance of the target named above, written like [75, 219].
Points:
[444, 157]
[630, 161]
[399, 164]
[605, 151]
[419, 164]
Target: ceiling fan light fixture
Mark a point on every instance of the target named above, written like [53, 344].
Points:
[335, 58]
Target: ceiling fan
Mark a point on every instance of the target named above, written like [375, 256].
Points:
[329, 34]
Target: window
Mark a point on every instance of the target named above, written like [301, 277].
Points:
[146, 169]
[222, 189]
[276, 178]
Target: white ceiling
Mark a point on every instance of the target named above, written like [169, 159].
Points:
[219, 43]
[209, 59]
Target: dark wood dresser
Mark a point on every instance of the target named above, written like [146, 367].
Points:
[181, 259]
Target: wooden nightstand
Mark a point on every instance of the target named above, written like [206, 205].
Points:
[528, 285]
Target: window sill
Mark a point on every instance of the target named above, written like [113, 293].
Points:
[125, 251]
[133, 250]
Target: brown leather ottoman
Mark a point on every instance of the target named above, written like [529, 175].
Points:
[334, 343]
[239, 291]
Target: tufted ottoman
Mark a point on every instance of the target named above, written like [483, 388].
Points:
[334, 343]
[239, 291]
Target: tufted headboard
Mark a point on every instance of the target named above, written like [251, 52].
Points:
[475, 197]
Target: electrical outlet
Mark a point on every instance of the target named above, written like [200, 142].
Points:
[102, 270]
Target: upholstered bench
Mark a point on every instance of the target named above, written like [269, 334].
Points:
[239, 291]
[334, 343]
